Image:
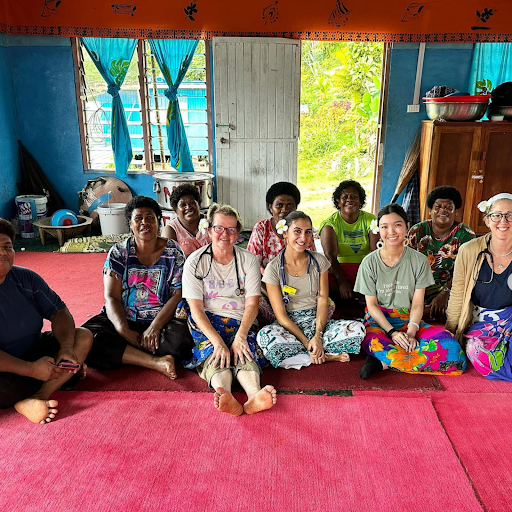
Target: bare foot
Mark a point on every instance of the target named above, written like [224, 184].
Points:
[83, 371]
[224, 401]
[342, 358]
[37, 410]
[265, 398]
[166, 365]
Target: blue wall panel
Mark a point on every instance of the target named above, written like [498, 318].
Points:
[444, 64]
[9, 159]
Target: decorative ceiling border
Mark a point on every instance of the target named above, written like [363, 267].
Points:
[69, 31]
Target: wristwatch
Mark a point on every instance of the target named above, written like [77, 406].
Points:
[390, 332]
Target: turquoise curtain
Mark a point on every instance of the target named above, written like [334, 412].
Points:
[174, 57]
[112, 57]
[491, 66]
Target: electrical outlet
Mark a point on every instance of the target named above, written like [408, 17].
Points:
[413, 109]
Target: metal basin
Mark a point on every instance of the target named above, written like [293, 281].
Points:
[456, 111]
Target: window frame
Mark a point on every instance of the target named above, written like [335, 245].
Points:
[145, 121]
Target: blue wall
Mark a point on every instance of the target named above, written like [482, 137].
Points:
[9, 162]
[444, 64]
[47, 120]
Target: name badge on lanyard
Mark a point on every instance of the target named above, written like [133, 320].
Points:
[289, 289]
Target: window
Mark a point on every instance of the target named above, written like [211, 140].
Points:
[145, 106]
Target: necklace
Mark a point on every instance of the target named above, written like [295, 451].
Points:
[294, 271]
[500, 266]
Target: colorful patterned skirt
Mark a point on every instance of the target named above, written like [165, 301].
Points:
[227, 329]
[438, 352]
[488, 340]
[283, 349]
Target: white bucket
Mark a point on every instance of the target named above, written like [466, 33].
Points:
[112, 219]
[30, 207]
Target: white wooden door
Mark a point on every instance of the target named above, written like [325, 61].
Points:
[256, 118]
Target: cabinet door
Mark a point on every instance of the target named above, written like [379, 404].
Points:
[455, 151]
[496, 169]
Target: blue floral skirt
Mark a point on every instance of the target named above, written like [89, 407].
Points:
[227, 329]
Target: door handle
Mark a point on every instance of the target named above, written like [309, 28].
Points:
[223, 140]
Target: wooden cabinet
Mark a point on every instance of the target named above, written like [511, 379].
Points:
[475, 158]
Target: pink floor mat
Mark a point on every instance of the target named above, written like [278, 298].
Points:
[77, 278]
[174, 452]
[472, 382]
[478, 425]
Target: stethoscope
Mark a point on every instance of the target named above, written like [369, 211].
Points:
[483, 253]
[282, 276]
[240, 291]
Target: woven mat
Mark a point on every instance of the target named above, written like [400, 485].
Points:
[101, 243]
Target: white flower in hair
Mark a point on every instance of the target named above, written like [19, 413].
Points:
[483, 205]
[203, 226]
[374, 228]
[281, 226]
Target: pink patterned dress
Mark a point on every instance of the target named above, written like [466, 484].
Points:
[188, 242]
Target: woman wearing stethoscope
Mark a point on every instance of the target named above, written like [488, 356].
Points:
[222, 284]
[480, 305]
[298, 289]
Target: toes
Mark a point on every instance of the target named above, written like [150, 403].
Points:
[52, 403]
[220, 391]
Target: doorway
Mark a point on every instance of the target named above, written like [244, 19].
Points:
[339, 113]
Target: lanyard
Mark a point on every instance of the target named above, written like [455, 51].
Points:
[282, 276]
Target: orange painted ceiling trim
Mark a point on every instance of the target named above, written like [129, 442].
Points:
[354, 20]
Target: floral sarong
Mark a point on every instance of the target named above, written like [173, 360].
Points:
[283, 349]
[438, 352]
[488, 341]
[227, 329]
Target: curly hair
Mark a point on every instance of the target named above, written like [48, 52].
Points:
[348, 184]
[444, 192]
[224, 209]
[186, 189]
[392, 208]
[142, 202]
[282, 188]
[7, 229]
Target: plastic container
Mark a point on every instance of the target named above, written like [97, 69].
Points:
[112, 219]
[30, 207]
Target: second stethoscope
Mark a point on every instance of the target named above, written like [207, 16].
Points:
[240, 290]
[282, 276]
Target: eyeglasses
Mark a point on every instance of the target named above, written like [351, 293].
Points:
[448, 207]
[496, 217]
[221, 229]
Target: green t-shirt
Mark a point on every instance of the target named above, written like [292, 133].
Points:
[393, 286]
[353, 239]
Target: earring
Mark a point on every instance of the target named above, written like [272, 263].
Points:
[406, 241]
[380, 244]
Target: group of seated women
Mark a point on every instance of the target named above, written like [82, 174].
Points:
[403, 275]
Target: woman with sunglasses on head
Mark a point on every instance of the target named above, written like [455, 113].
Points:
[480, 306]
[393, 280]
[439, 239]
[142, 285]
[185, 228]
[298, 289]
[221, 283]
